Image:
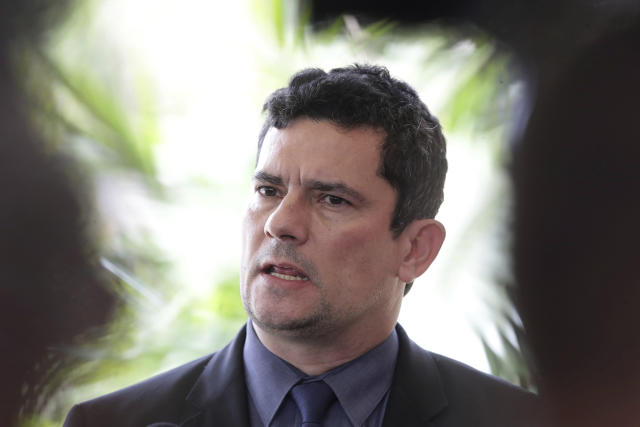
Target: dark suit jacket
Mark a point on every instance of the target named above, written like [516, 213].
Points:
[427, 390]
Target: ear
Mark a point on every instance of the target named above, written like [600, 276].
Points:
[422, 240]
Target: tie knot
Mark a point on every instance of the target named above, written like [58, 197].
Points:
[313, 400]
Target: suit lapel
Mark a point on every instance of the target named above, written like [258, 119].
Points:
[417, 394]
[219, 396]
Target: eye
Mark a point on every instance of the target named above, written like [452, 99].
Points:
[267, 191]
[334, 200]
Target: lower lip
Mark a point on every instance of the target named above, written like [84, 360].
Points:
[283, 283]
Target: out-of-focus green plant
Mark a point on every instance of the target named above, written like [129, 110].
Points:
[83, 113]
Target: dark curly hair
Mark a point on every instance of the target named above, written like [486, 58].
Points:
[413, 158]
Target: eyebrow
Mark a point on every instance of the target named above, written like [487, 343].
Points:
[267, 177]
[335, 187]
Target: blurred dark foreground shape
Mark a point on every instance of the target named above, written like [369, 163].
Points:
[50, 291]
[577, 230]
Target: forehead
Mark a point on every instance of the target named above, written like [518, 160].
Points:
[323, 147]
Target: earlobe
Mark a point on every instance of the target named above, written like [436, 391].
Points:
[423, 240]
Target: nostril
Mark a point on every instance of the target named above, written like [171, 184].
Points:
[279, 236]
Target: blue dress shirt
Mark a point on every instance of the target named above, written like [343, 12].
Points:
[361, 386]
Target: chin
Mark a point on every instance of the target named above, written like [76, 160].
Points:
[305, 325]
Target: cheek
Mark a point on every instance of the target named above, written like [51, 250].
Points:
[360, 254]
[252, 230]
[253, 222]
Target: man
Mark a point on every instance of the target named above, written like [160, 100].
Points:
[349, 177]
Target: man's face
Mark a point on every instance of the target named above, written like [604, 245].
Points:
[318, 254]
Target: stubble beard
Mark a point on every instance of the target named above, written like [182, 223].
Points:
[314, 324]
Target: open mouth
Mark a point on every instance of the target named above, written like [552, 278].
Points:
[285, 272]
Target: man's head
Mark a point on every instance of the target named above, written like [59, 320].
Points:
[336, 227]
[413, 158]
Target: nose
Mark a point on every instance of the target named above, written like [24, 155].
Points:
[289, 221]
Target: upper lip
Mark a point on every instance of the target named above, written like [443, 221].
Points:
[265, 266]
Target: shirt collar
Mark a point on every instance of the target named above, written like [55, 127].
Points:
[362, 383]
[268, 377]
[359, 385]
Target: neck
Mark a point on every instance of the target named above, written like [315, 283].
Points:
[316, 355]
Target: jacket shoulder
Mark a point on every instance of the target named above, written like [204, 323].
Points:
[430, 389]
[463, 379]
[471, 393]
[161, 397]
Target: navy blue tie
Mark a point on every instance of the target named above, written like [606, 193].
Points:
[313, 400]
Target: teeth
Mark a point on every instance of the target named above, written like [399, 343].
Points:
[287, 277]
